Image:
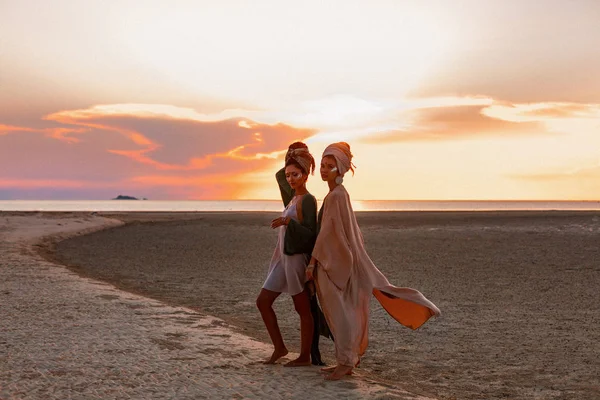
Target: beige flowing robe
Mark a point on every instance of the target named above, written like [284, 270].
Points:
[346, 277]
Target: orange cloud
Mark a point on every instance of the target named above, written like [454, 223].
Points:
[198, 159]
[565, 110]
[544, 112]
[6, 129]
[157, 129]
[56, 133]
[215, 186]
[448, 123]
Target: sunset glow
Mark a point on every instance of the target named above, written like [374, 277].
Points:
[199, 100]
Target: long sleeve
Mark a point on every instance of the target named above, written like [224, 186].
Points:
[300, 237]
[332, 248]
[341, 253]
[287, 193]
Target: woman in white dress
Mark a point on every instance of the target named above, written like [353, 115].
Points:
[296, 237]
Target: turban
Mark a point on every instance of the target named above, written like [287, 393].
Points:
[343, 157]
[303, 157]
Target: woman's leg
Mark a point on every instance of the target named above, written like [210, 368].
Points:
[315, 354]
[302, 305]
[347, 321]
[264, 302]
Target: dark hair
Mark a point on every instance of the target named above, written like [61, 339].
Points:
[298, 145]
[294, 146]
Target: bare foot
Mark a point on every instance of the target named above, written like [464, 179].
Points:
[299, 362]
[277, 354]
[331, 369]
[339, 373]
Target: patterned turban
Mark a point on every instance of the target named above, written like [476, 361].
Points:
[303, 157]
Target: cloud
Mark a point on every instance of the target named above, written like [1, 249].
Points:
[181, 139]
[59, 133]
[218, 186]
[29, 155]
[450, 123]
[564, 80]
[94, 150]
[538, 57]
[163, 152]
[543, 112]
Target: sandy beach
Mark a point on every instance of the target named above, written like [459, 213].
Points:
[64, 336]
[518, 292]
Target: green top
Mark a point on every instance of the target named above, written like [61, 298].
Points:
[319, 219]
[299, 237]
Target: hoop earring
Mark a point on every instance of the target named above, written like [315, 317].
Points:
[339, 180]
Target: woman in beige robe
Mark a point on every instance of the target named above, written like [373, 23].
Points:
[346, 277]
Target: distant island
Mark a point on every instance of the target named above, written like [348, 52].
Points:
[121, 197]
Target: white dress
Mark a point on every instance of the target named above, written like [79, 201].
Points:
[287, 274]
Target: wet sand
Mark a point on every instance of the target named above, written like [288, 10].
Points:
[518, 291]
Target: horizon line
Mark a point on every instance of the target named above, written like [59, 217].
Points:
[379, 200]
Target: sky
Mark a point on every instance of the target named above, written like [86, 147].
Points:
[198, 100]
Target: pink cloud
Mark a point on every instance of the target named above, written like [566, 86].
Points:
[198, 158]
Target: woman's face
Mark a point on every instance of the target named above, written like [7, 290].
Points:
[294, 176]
[328, 168]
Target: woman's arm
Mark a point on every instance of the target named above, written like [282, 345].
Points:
[287, 193]
[332, 248]
[310, 269]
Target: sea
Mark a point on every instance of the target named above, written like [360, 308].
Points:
[276, 205]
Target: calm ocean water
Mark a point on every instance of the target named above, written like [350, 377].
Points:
[276, 205]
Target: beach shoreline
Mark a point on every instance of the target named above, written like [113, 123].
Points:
[67, 335]
[487, 271]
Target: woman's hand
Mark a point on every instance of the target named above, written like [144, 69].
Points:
[277, 222]
[310, 272]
